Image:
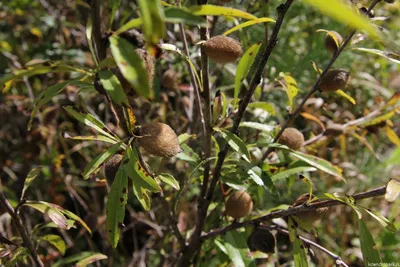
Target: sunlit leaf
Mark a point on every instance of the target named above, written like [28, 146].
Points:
[56, 241]
[392, 190]
[392, 136]
[269, 107]
[183, 138]
[113, 87]
[291, 87]
[370, 253]
[244, 65]
[257, 126]
[66, 261]
[237, 250]
[380, 119]
[235, 143]
[90, 259]
[153, 18]
[343, 94]
[211, 10]
[131, 66]
[290, 172]
[393, 100]
[169, 179]
[181, 15]
[100, 138]
[344, 14]
[29, 179]
[89, 32]
[299, 254]
[393, 57]
[381, 219]
[134, 23]
[248, 23]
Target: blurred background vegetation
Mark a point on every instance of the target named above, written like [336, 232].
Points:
[32, 31]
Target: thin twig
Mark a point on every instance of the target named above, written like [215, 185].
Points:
[164, 202]
[337, 258]
[292, 211]
[315, 87]
[21, 229]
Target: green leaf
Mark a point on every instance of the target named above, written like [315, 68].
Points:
[67, 260]
[212, 10]
[113, 4]
[169, 179]
[181, 15]
[54, 214]
[235, 143]
[90, 259]
[394, 158]
[268, 107]
[341, 12]
[115, 207]
[291, 88]
[89, 32]
[91, 121]
[17, 256]
[183, 138]
[131, 66]
[56, 241]
[299, 254]
[248, 23]
[101, 138]
[138, 174]
[96, 163]
[388, 55]
[29, 179]
[255, 173]
[370, 253]
[113, 87]
[392, 190]
[382, 220]
[258, 126]
[290, 172]
[134, 23]
[237, 250]
[108, 62]
[152, 14]
[244, 65]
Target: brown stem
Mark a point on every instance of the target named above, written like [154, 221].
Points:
[21, 229]
[315, 87]
[292, 211]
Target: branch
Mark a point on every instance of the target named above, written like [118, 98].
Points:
[315, 87]
[21, 229]
[337, 258]
[165, 204]
[292, 211]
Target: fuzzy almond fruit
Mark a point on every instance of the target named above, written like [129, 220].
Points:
[334, 79]
[292, 138]
[222, 49]
[159, 139]
[238, 205]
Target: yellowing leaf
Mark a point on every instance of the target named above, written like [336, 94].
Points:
[343, 94]
[341, 12]
[248, 23]
[37, 32]
[291, 88]
[313, 118]
[393, 100]
[392, 136]
[211, 10]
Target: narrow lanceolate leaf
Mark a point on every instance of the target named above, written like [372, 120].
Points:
[115, 207]
[89, 30]
[291, 88]
[370, 253]
[237, 250]
[134, 23]
[392, 136]
[258, 126]
[153, 18]
[169, 179]
[311, 117]
[91, 121]
[235, 143]
[382, 220]
[113, 87]
[380, 118]
[244, 65]
[95, 164]
[345, 15]
[131, 65]
[56, 241]
[212, 10]
[393, 57]
[343, 94]
[180, 15]
[268, 107]
[392, 190]
[248, 23]
[299, 253]
[100, 138]
[290, 172]
[113, 4]
[29, 179]
[90, 259]
[56, 214]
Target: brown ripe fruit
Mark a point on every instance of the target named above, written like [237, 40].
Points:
[292, 138]
[332, 44]
[111, 167]
[170, 79]
[222, 49]
[159, 139]
[334, 129]
[238, 205]
[334, 79]
[262, 240]
[312, 215]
